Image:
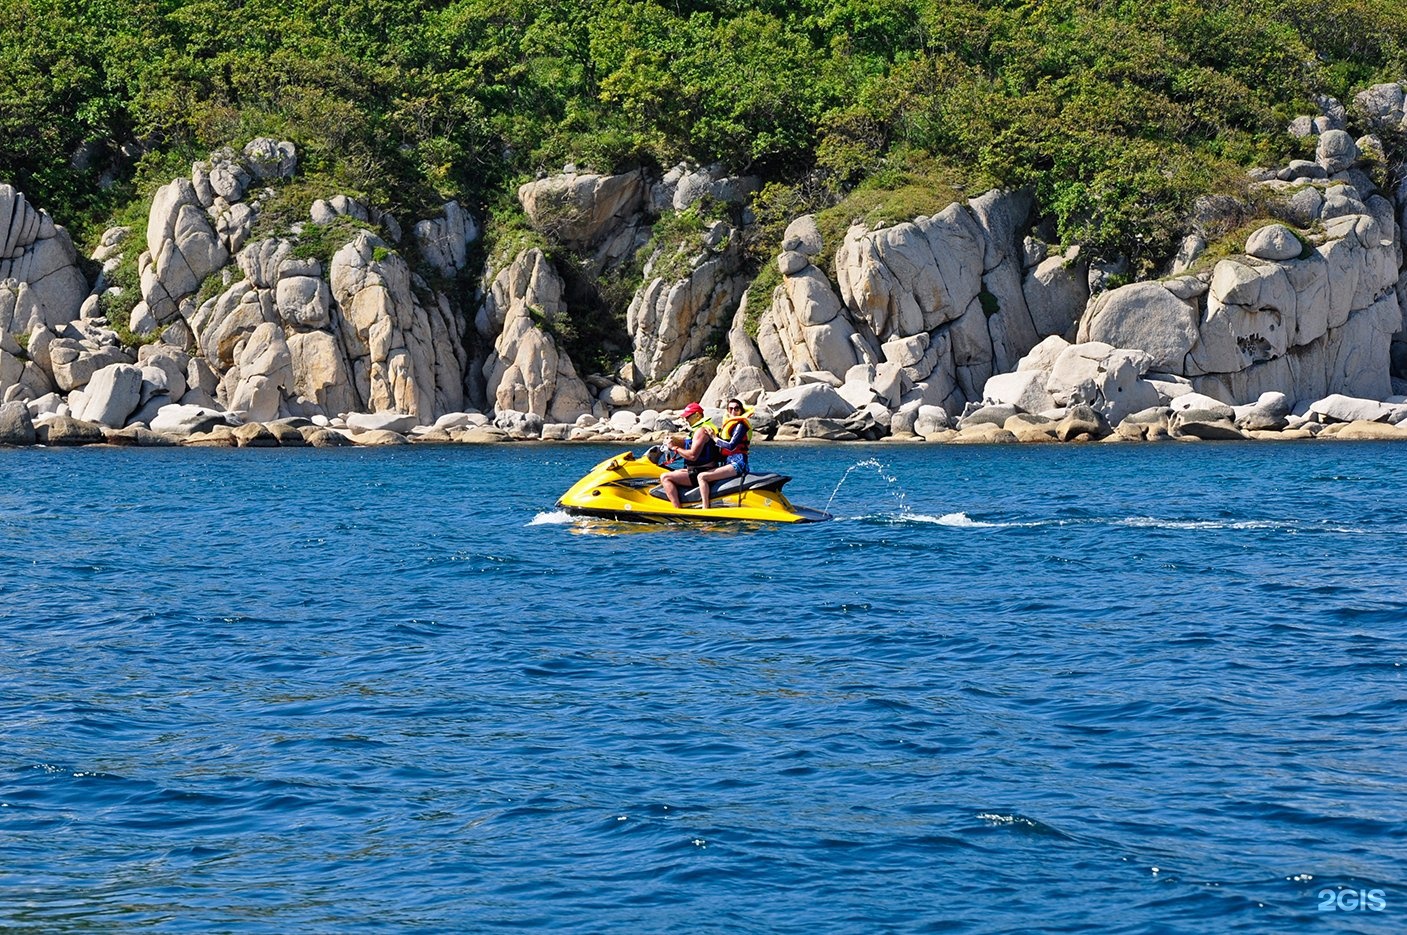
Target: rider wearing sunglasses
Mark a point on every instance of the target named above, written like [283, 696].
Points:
[733, 442]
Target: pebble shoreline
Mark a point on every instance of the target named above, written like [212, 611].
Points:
[1017, 429]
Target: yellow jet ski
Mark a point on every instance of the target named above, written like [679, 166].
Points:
[627, 488]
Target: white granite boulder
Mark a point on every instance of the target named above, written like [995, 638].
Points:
[444, 240]
[808, 401]
[803, 236]
[1274, 242]
[579, 210]
[1340, 408]
[1023, 389]
[1145, 315]
[1056, 292]
[16, 424]
[1336, 151]
[398, 422]
[271, 159]
[182, 249]
[40, 281]
[805, 329]
[1268, 413]
[1189, 402]
[178, 419]
[304, 301]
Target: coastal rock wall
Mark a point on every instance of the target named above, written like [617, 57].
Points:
[689, 290]
[261, 327]
[951, 318]
[38, 255]
[527, 373]
[1305, 311]
[932, 307]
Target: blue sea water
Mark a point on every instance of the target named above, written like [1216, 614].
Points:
[1153, 688]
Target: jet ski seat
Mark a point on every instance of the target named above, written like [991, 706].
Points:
[732, 485]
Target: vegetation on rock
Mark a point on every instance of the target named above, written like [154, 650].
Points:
[1118, 114]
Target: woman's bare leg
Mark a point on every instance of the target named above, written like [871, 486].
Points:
[708, 477]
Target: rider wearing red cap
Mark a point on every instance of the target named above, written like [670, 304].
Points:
[699, 455]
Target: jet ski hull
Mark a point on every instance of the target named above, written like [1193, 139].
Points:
[624, 488]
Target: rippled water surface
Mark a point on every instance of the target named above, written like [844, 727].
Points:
[1079, 688]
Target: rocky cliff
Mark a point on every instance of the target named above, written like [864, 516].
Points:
[910, 327]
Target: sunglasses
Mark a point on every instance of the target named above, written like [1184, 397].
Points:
[735, 408]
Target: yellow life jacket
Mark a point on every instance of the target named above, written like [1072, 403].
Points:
[726, 436]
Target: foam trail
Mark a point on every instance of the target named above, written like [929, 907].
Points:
[552, 518]
[947, 519]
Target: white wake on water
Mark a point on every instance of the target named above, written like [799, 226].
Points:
[947, 519]
[552, 518]
[957, 520]
[960, 520]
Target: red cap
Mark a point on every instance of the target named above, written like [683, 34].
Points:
[693, 409]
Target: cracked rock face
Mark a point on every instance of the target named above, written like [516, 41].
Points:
[1303, 326]
[39, 254]
[672, 320]
[527, 373]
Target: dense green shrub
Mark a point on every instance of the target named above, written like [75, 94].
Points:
[1117, 113]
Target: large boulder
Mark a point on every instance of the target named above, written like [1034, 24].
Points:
[261, 375]
[66, 430]
[111, 396]
[1274, 242]
[579, 210]
[1056, 292]
[74, 361]
[16, 424]
[1382, 104]
[1269, 412]
[182, 249]
[1081, 421]
[742, 373]
[1145, 315]
[1205, 424]
[1336, 151]
[1023, 389]
[187, 420]
[271, 159]
[687, 382]
[808, 401]
[805, 329]
[303, 301]
[685, 184]
[444, 240]
[397, 422]
[1340, 408]
[321, 373]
